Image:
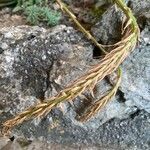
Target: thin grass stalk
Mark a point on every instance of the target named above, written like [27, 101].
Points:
[80, 27]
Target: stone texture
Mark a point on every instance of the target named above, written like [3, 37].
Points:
[36, 63]
[139, 7]
[108, 29]
[132, 133]
[33, 58]
[136, 83]
[27, 65]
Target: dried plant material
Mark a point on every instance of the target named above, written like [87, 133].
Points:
[107, 65]
[95, 107]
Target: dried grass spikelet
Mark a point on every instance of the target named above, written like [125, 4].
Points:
[96, 106]
[107, 65]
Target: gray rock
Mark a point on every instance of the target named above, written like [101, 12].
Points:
[36, 60]
[36, 56]
[38, 63]
[136, 75]
[108, 29]
[139, 7]
[128, 134]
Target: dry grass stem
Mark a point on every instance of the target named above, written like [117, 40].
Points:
[81, 28]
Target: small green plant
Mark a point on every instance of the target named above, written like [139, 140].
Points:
[38, 10]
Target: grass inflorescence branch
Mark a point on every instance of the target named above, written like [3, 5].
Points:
[80, 27]
[107, 65]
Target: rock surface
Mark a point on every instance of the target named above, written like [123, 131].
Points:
[36, 63]
[33, 58]
[108, 29]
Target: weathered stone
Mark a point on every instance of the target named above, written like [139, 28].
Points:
[108, 29]
[36, 60]
[139, 7]
[131, 133]
[136, 75]
[37, 63]
[36, 56]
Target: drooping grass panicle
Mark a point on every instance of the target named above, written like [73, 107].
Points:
[107, 65]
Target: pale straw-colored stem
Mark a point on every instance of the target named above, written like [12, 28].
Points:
[80, 27]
